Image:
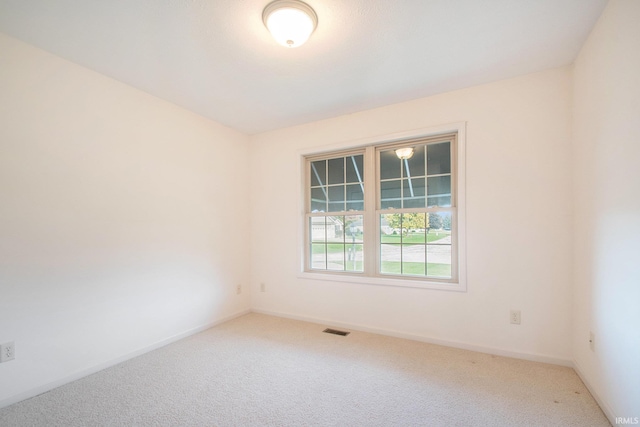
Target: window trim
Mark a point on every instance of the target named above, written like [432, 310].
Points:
[371, 210]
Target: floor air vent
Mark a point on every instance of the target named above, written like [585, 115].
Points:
[336, 332]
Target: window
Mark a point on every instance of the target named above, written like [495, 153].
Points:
[387, 212]
[336, 222]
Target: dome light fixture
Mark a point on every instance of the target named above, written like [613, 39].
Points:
[290, 22]
[404, 153]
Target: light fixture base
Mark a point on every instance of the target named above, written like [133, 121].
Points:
[297, 38]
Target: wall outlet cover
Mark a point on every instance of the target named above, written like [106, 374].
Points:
[515, 317]
[7, 352]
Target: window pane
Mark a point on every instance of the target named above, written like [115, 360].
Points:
[336, 171]
[439, 158]
[353, 229]
[355, 256]
[336, 198]
[387, 223]
[440, 224]
[390, 166]
[318, 256]
[403, 240]
[413, 260]
[391, 228]
[390, 259]
[413, 193]
[335, 256]
[443, 202]
[414, 244]
[355, 197]
[439, 261]
[412, 222]
[439, 191]
[355, 170]
[414, 227]
[414, 166]
[318, 230]
[318, 173]
[355, 206]
[318, 199]
[390, 194]
[439, 248]
[416, 235]
[347, 255]
[335, 229]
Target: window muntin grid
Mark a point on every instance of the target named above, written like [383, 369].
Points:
[424, 180]
[418, 241]
[336, 238]
[337, 184]
[416, 244]
[336, 243]
[424, 183]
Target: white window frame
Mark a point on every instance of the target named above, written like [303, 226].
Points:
[372, 213]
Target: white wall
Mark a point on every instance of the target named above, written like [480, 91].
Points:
[122, 220]
[115, 206]
[606, 153]
[518, 222]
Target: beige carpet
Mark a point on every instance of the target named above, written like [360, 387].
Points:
[261, 370]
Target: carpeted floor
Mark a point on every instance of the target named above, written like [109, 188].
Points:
[260, 370]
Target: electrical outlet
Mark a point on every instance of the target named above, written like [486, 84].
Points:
[239, 289]
[515, 317]
[263, 288]
[7, 352]
[592, 341]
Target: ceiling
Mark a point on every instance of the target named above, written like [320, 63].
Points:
[216, 58]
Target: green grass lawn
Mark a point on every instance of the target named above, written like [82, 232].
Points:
[416, 268]
[393, 267]
[333, 248]
[392, 238]
[415, 237]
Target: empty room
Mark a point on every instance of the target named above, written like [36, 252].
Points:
[319, 213]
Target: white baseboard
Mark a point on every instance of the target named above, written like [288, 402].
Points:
[608, 412]
[415, 337]
[104, 365]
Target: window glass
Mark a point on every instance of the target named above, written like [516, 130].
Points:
[413, 193]
[337, 184]
[416, 244]
[390, 166]
[355, 197]
[391, 194]
[337, 242]
[413, 190]
[319, 199]
[439, 245]
[412, 202]
[336, 198]
[439, 191]
[439, 158]
[336, 171]
[355, 168]
[439, 261]
[318, 173]
[414, 166]
[318, 256]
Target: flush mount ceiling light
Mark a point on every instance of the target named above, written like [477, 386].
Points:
[404, 153]
[290, 22]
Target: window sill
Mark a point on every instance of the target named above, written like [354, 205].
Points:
[383, 281]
